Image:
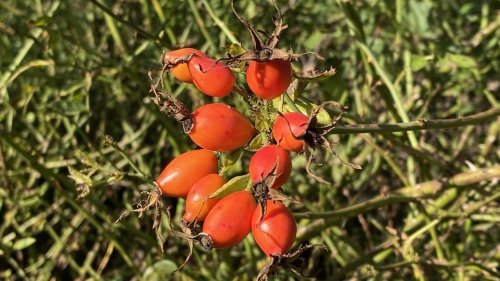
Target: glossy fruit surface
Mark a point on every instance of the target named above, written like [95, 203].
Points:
[269, 159]
[197, 202]
[181, 71]
[270, 79]
[276, 232]
[211, 77]
[184, 170]
[229, 221]
[220, 127]
[285, 130]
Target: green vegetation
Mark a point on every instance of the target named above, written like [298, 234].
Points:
[425, 205]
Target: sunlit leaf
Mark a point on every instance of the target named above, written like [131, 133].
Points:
[237, 183]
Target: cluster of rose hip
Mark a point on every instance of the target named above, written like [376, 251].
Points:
[219, 214]
[217, 127]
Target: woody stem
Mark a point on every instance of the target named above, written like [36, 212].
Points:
[419, 125]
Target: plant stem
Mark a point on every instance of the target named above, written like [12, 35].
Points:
[407, 194]
[421, 124]
[290, 103]
[220, 23]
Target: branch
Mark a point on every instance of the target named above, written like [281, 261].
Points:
[407, 194]
[421, 124]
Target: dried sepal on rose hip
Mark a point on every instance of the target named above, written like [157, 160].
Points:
[227, 223]
[176, 180]
[263, 51]
[270, 161]
[298, 132]
[269, 168]
[175, 61]
[288, 262]
[215, 126]
[211, 77]
[269, 70]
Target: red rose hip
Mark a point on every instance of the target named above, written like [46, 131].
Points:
[269, 159]
[229, 221]
[269, 79]
[183, 171]
[181, 71]
[287, 128]
[276, 232]
[211, 77]
[220, 127]
[197, 202]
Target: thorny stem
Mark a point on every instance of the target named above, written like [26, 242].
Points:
[421, 124]
[407, 194]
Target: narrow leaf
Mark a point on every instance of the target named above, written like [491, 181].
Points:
[230, 159]
[23, 243]
[237, 183]
[314, 75]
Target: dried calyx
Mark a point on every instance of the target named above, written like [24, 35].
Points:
[262, 51]
[191, 232]
[153, 199]
[262, 193]
[286, 261]
[315, 136]
[167, 102]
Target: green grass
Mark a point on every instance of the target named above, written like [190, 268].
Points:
[425, 205]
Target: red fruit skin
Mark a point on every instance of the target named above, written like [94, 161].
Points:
[181, 71]
[220, 127]
[197, 202]
[297, 122]
[264, 161]
[211, 77]
[229, 221]
[277, 230]
[269, 80]
[183, 171]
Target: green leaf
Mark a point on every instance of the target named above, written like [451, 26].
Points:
[313, 40]
[235, 50]
[79, 177]
[87, 160]
[237, 183]
[419, 62]
[306, 107]
[453, 61]
[417, 18]
[462, 61]
[257, 142]
[313, 76]
[41, 21]
[159, 271]
[23, 243]
[262, 122]
[229, 159]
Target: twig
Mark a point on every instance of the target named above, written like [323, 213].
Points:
[419, 125]
[407, 194]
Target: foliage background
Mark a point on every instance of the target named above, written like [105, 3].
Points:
[73, 72]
